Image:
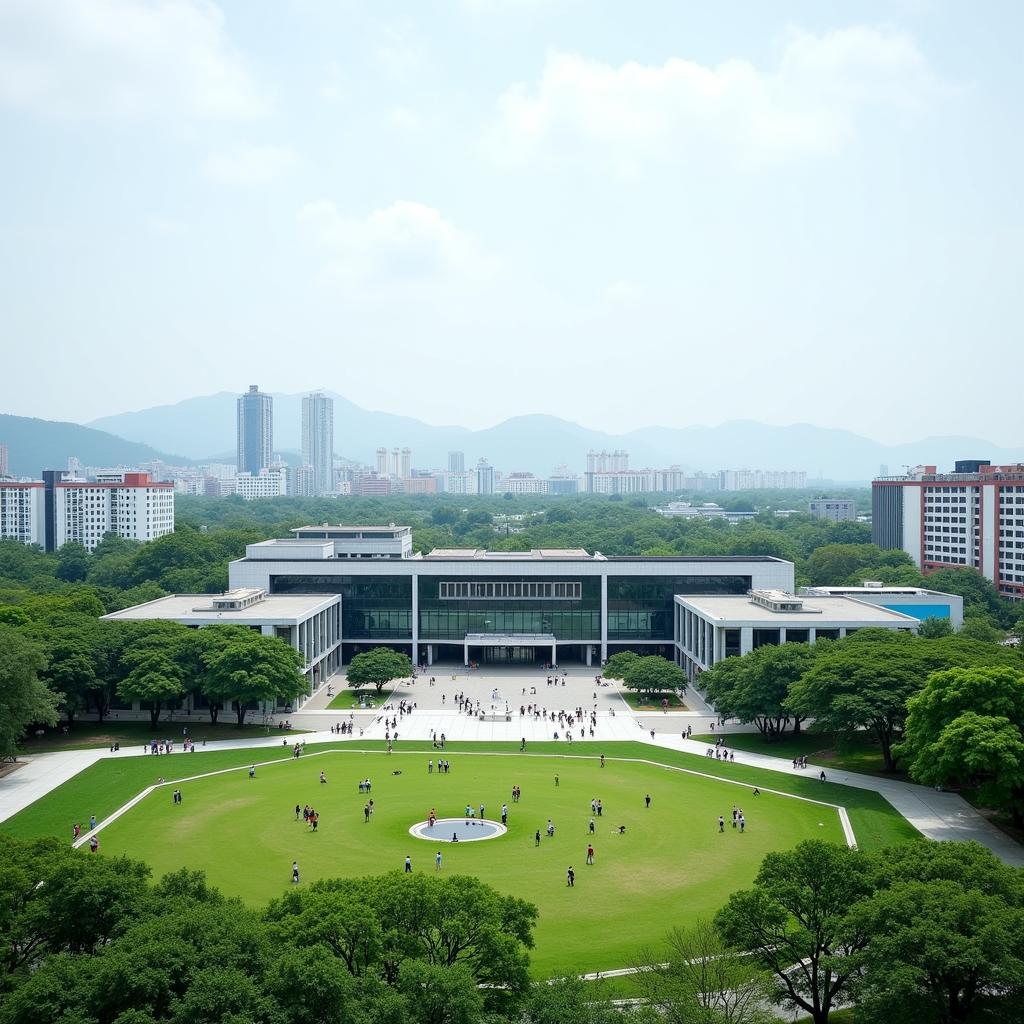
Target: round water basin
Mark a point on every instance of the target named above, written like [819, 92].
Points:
[458, 830]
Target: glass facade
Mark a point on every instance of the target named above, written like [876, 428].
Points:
[372, 607]
[641, 607]
[446, 618]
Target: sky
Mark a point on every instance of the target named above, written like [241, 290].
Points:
[624, 214]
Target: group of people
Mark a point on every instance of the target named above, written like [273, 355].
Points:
[438, 741]
[309, 815]
[443, 767]
[739, 822]
[158, 747]
[344, 728]
[721, 754]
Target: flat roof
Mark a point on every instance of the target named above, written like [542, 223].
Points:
[511, 556]
[352, 529]
[199, 608]
[904, 591]
[817, 611]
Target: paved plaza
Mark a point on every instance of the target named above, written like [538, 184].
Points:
[937, 815]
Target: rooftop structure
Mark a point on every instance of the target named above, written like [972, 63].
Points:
[708, 628]
[917, 601]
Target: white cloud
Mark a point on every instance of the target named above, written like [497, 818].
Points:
[252, 165]
[122, 58]
[635, 112]
[404, 243]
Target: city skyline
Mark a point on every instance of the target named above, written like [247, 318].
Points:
[792, 206]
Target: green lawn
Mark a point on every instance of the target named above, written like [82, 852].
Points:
[672, 863]
[857, 753]
[652, 701]
[348, 700]
[673, 851]
[90, 735]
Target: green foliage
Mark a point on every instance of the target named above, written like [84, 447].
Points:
[654, 674]
[618, 665]
[840, 563]
[966, 728]
[24, 700]
[795, 914]
[377, 667]
[755, 687]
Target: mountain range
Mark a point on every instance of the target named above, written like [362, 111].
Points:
[35, 445]
[204, 427]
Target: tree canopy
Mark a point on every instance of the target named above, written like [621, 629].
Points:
[377, 667]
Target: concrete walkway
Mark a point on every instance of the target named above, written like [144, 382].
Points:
[941, 816]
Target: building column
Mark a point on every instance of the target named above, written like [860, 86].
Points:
[430, 655]
[812, 635]
[465, 652]
[746, 639]
[604, 618]
[782, 636]
[415, 618]
[554, 653]
[842, 632]
[590, 650]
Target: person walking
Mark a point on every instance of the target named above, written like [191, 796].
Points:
[504, 814]
[252, 771]
[295, 872]
[536, 838]
[570, 877]
[721, 823]
[590, 853]
[408, 865]
[437, 861]
[647, 800]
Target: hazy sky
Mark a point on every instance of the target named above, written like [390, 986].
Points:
[622, 213]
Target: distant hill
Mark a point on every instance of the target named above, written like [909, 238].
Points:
[35, 445]
[537, 443]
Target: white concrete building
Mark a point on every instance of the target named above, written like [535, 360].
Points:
[834, 510]
[311, 624]
[710, 628]
[972, 517]
[587, 605]
[922, 604]
[267, 483]
[21, 512]
[128, 505]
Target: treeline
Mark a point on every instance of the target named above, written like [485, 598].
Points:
[951, 707]
[923, 933]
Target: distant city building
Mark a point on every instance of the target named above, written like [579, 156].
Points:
[405, 463]
[382, 461]
[971, 517]
[5, 464]
[835, 510]
[456, 462]
[255, 413]
[22, 512]
[525, 483]
[709, 510]
[762, 479]
[484, 477]
[267, 483]
[318, 441]
[563, 483]
[418, 485]
[371, 486]
[57, 511]
[302, 482]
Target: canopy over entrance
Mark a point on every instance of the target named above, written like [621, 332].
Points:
[519, 641]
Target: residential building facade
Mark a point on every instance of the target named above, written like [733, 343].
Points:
[318, 441]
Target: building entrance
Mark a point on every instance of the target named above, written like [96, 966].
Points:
[512, 655]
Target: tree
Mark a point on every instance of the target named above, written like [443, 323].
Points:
[863, 682]
[704, 982]
[934, 627]
[793, 922]
[755, 687]
[155, 678]
[654, 674]
[72, 562]
[251, 667]
[24, 700]
[966, 727]
[947, 936]
[377, 667]
[618, 664]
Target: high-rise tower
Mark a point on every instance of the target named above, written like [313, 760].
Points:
[318, 440]
[456, 462]
[255, 430]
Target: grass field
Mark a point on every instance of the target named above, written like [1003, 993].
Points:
[652, 701]
[671, 865]
[348, 700]
[91, 735]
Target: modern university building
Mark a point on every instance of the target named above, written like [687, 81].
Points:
[464, 604]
